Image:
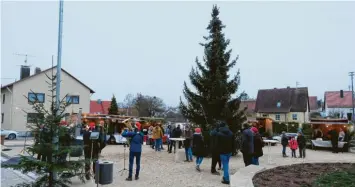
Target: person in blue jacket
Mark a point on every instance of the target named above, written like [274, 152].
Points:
[135, 149]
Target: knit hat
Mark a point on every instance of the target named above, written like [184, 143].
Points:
[197, 130]
[138, 126]
[254, 129]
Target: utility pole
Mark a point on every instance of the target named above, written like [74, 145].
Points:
[58, 81]
[351, 74]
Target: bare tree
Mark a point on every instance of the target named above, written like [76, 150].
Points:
[128, 103]
[148, 105]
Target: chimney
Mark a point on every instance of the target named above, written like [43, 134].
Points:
[288, 87]
[275, 88]
[37, 70]
[24, 71]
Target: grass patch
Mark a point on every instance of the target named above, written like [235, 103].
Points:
[336, 179]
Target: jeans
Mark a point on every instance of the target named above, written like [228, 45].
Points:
[158, 144]
[138, 163]
[199, 160]
[255, 160]
[225, 163]
[284, 150]
[188, 154]
[302, 152]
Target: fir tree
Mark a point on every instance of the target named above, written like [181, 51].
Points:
[113, 107]
[213, 100]
[52, 145]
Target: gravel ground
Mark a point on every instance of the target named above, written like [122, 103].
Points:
[158, 169]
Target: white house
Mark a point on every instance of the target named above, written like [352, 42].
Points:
[16, 110]
[337, 106]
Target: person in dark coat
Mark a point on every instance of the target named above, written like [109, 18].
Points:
[225, 145]
[258, 146]
[135, 150]
[334, 138]
[284, 143]
[216, 158]
[247, 144]
[198, 147]
[301, 140]
[188, 133]
[92, 149]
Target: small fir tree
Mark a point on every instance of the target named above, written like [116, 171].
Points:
[52, 145]
[113, 107]
[213, 99]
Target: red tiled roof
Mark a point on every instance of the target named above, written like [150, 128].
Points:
[96, 108]
[313, 105]
[333, 100]
[250, 104]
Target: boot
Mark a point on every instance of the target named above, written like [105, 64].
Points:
[129, 179]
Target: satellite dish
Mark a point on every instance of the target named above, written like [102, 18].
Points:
[99, 101]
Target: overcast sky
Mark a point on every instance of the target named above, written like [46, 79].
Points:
[150, 47]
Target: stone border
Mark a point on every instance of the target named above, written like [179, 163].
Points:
[244, 176]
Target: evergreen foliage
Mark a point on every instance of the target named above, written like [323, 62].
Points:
[51, 148]
[214, 99]
[113, 107]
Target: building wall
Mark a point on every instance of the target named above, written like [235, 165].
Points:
[6, 108]
[302, 117]
[343, 111]
[38, 85]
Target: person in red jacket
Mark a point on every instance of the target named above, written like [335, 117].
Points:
[294, 146]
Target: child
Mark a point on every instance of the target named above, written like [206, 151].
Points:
[293, 145]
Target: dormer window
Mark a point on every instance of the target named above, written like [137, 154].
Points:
[278, 104]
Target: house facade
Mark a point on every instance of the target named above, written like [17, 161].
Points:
[16, 108]
[336, 106]
[313, 104]
[283, 105]
[250, 108]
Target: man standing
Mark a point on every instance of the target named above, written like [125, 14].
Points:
[91, 151]
[284, 143]
[225, 144]
[215, 150]
[157, 136]
[247, 144]
[301, 140]
[334, 138]
[188, 133]
[135, 150]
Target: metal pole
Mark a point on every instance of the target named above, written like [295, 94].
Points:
[351, 74]
[59, 69]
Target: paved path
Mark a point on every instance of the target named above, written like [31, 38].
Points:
[10, 177]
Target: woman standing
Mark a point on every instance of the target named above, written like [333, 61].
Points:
[258, 146]
[198, 146]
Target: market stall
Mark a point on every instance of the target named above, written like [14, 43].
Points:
[321, 129]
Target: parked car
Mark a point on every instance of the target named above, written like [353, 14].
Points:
[9, 134]
[288, 135]
[116, 139]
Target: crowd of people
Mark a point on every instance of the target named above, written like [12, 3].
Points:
[252, 145]
[294, 144]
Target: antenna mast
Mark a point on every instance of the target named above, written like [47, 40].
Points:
[297, 84]
[25, 55]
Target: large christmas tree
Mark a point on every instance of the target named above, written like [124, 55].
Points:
[213, 99]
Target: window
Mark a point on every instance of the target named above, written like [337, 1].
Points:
[277, 117]
[35, 97]
[265, 115]
[34, 117]
[278, 104]
[73, 99]
[294, 116]
[2, 117]
[3, 98]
